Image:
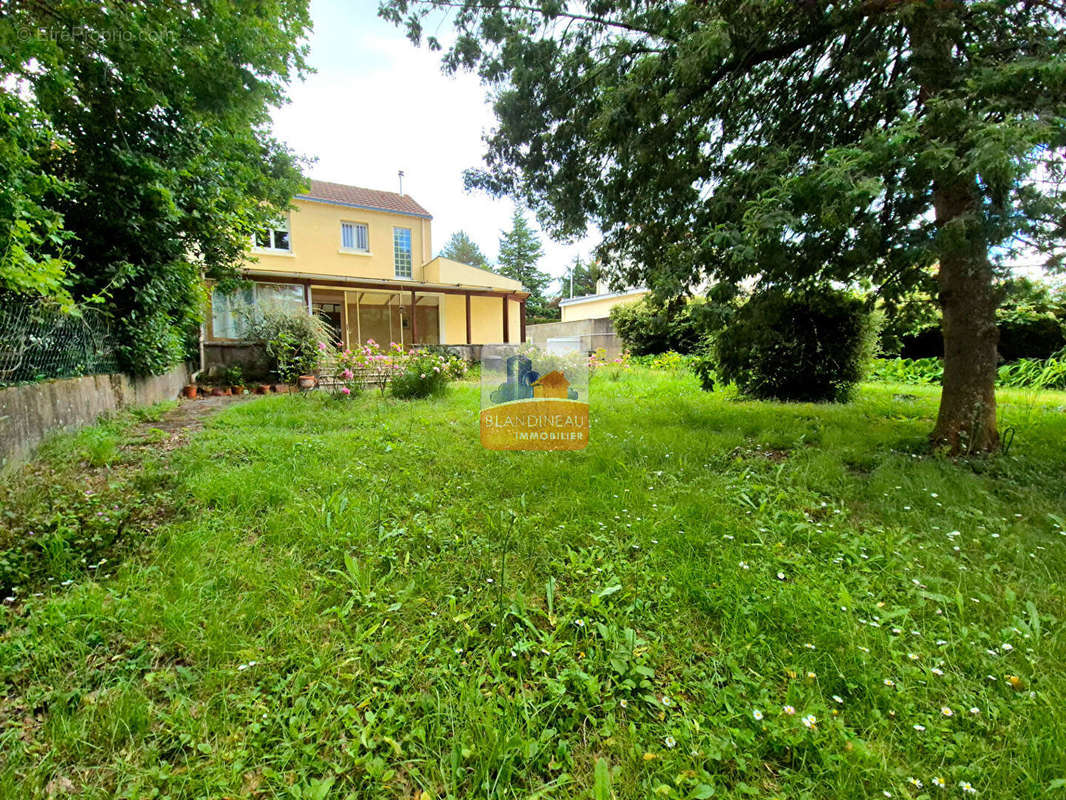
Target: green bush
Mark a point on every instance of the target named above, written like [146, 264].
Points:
[649, 328]
[295, 342]
[907, 370]
[811, 345]
[425, 374]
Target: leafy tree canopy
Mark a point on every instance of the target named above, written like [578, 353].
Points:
[787, 142]
[139, 155]
[460, 247]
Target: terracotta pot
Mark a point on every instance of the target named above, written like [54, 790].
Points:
[237, 390]
[307, 381]
[217, 391]
[189, 391]
[262, 389]
[281, 388]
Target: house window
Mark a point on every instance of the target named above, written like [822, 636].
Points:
[401, 251]
[274, 237]
[230, 311]
[355, 236]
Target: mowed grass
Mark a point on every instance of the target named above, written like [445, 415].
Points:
[717, 598]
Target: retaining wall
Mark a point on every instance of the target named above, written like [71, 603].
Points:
[31, 412]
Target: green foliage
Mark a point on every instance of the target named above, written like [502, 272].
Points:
[1031, 320]
[581, 278]
[921, 371]
[32, 238]
[1032, 373]
[295, 343]
[648, 327]
[520, 251]
[143, 159]
[811, 345]
[460, 247]
[291, 618]
[424, 374]
[704, 366]
[1025, 373]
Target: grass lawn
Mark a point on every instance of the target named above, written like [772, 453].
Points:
[324, 599]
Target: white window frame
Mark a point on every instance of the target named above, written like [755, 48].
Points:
[272, 231]
[355, 237]
[396, 261]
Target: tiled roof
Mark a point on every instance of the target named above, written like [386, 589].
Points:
[327, 192]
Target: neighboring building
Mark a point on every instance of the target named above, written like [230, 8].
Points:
[361, 258]
[599, 305]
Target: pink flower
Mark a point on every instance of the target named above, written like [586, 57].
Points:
[345, 390]
[423, 375]
[348, 374]
[321, 345]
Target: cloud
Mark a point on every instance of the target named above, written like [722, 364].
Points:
[376, 105]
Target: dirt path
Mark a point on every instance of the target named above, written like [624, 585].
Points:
[181, 422]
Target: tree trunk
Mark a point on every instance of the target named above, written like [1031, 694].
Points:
[968, 299]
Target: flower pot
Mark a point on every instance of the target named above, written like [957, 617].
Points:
[281, 388]
[217, 391]
[262, 389]
[189, 391]
[307, 381]
[237, 390]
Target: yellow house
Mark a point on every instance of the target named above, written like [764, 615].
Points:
[599, 305]
[362, 259]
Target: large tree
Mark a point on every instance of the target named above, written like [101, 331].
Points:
[148, 161]
[520, 252]
[787, 141]
[460, 247]
[581, 277]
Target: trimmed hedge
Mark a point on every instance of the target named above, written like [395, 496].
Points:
[811, 345]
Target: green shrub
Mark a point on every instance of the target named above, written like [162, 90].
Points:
[649, 328]
[425, 374]
[811, 345]
[295, 342]
[920, 371]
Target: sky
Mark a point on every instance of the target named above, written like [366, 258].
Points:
[377, 104]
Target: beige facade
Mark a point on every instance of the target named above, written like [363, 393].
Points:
[598, 306]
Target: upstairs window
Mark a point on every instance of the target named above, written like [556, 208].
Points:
[355, 237]
[274, 237]
[401, 252]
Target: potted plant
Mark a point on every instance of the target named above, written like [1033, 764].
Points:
[307, 382]
[262, 388]
[235, 378]
[189, 391]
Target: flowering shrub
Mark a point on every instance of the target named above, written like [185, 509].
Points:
[423, 374]
[368, 364]
[612, 368]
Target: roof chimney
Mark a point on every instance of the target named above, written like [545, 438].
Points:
[400, 173]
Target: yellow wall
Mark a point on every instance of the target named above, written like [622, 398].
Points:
[597, 309]
[444, 270]
[315, 241]
[486, 319]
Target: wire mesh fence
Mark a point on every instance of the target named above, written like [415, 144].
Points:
[38, 342]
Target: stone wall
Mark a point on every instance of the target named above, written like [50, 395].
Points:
[31, 412]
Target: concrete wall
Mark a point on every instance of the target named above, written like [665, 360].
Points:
[594, 333]
[30, 413]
